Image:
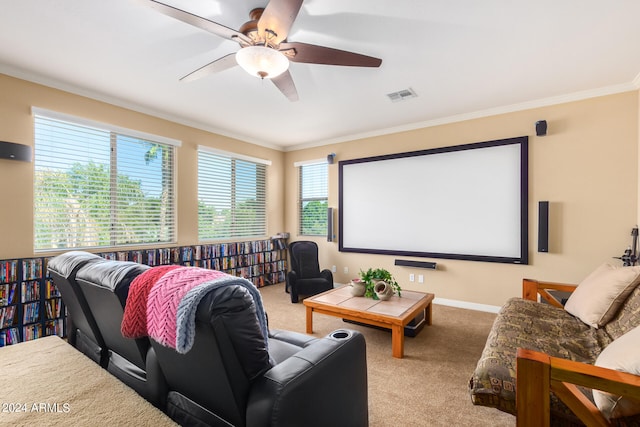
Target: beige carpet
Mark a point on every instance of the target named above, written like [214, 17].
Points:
[46, 382]
[428, 387]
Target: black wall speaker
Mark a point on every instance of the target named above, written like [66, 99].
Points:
[541, 127]
[329, 224]
[543, 226]
[331, 158]
[12, 151]
[418, 264]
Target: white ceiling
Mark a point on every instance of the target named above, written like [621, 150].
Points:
[464, 58]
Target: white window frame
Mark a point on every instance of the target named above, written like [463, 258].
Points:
[118, 137]
[319, 195]
[216, 190]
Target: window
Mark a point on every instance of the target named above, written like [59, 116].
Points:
[231, 195]
[98, 186]
[313, 199]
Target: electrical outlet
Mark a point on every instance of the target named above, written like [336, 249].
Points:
[334, 268]
[412, 277]
[346, 270]
[420, 278]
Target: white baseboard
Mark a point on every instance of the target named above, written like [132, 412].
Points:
[455, 303]
[467, 305]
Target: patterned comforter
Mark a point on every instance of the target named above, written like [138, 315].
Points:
[541, 327]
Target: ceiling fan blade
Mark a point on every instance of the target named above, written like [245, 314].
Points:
[312, 54]
[216, 66]
[198, 21]
[278, 18]
[284, 82]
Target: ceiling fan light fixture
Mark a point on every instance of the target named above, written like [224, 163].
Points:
[262, 61]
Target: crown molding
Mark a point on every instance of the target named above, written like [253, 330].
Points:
[118, 102]
[544, 102]
[636, 81]
[98, 96]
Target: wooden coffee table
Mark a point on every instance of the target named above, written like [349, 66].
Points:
[393, 314]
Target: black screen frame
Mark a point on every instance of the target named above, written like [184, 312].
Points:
[522, 258]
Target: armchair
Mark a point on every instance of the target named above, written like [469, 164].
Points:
[106, 287]
[548, 367]
[539, 374]
[82, 330]
[305, 277]
[196, 343]
[233, 376]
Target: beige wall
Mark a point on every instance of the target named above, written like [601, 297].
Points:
[16, 178]
[587, 167]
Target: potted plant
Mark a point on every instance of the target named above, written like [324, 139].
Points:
[372, 276]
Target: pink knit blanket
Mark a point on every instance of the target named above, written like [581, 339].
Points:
[134, 321]
[162, 304]
[165, 297]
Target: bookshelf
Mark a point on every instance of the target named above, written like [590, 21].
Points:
[30, 304]
[9, 296]
[31, 307]
[263, 262]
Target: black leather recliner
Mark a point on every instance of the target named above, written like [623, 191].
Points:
[229, 378]
[305, 277]
[82, 330]
[106, 287]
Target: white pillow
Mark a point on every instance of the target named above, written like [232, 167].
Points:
[622, 355]
[599, 297]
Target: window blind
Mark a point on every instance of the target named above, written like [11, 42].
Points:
[96, 187]
[231, 196]
[313, 199]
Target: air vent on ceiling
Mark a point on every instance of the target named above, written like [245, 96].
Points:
[402, 95]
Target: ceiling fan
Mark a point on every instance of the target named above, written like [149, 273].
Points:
[264, 49]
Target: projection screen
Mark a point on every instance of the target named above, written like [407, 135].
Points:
[464, 202]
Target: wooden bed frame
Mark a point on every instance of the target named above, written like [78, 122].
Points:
[538, 374]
